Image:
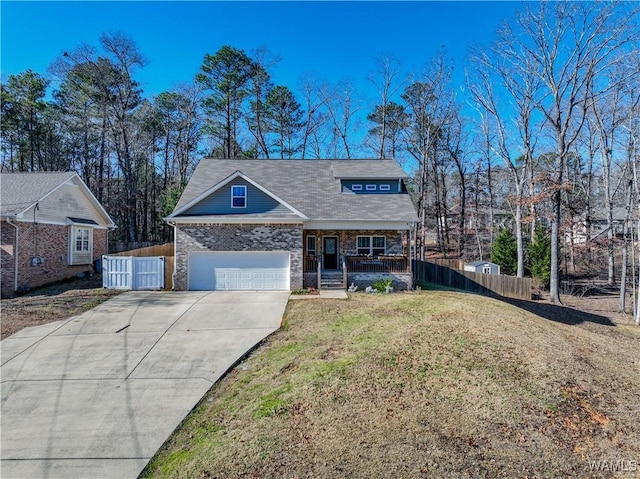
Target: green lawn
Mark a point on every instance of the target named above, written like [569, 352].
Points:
[433, 384]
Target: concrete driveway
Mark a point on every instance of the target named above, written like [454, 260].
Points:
[97, 395]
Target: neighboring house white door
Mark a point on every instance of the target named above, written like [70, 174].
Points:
[130, 272]
[239, 271]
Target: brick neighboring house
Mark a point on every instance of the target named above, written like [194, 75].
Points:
[52, 228]
[285, 224]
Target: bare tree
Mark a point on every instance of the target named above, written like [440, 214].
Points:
[430, 104]
[514, 112]
[341, 103]
[568, 47]
[385, 78]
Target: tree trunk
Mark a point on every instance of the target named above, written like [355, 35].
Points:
[554, 287]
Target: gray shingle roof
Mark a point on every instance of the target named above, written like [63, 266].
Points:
[312, 186]
[18, 191]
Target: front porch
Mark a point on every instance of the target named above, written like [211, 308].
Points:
[337, 259]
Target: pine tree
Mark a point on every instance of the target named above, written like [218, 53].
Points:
[540, 257]
[505, 252]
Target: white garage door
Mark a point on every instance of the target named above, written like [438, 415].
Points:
[239, 271]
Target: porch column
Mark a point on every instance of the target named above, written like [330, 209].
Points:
[410, 249]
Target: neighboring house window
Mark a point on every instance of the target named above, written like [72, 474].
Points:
[82, 240]
[238, 196]
[371, 245]
[371, 187]
[81, 245]
[385, 187]
[311, 245]
[356, 187]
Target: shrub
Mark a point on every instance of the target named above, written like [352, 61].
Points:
[382, 285]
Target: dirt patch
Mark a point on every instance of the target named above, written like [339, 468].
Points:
[52, 303]
[433, 385]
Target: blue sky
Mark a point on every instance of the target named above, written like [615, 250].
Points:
[333, 40]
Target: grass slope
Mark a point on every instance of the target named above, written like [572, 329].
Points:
[436, 384]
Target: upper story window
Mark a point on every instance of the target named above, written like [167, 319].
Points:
[238, 196]
[370, 186]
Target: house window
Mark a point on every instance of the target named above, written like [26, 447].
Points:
[80, 245]
[238, 196]
[486, 269]
[371, 245]
[385, 187]
[82, 240]
[356, 187]
[311, 245]
[371, 187]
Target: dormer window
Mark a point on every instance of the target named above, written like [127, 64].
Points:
[385, 187]
[356, 187]
[371, 187]
[238, 196]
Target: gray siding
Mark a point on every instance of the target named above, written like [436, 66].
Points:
[347, 186]
[219, 203]
[67, 200]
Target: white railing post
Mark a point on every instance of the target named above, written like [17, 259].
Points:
[319, 272]
[344, 274]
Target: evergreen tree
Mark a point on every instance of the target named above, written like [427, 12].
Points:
[540, 257]
[505, 252]
[284, 119]
[225, 78]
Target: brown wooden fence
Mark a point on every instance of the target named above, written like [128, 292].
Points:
[507, 286]
[165, 250]
[449, 263]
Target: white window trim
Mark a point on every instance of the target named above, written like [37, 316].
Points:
[315, 251]
[356, 187]
[385, 187]
[372, 187]
[371, 247]
[244, 187]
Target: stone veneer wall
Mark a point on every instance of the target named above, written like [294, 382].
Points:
[310, 280]
[401, 281]
[52, 246]
[246, 237]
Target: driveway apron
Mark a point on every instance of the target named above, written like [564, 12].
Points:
[98, 394]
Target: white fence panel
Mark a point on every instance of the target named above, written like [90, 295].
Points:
[148, 273]
[130, 272]
[117, 272]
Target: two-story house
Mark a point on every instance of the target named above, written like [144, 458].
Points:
[287, 224]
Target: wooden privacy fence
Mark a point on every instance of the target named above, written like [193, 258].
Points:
[507, 286]
[165, 250]
[449, 263]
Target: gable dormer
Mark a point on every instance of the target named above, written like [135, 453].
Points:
[237, 195]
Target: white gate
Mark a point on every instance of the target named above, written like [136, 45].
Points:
[131, 272]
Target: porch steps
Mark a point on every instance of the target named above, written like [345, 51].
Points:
[331, 280]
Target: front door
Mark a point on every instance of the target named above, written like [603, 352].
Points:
[330, 250]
